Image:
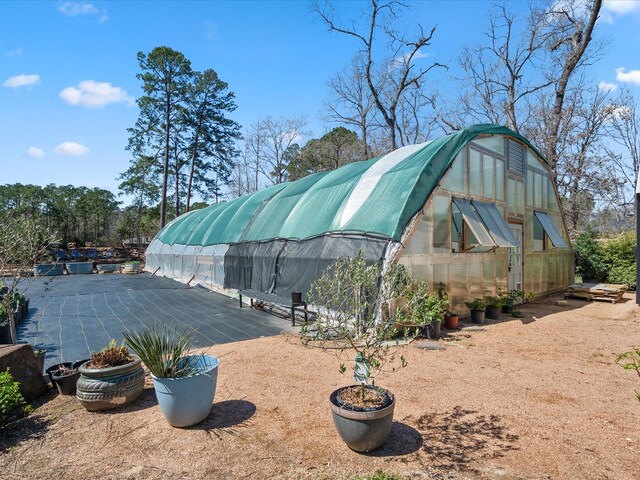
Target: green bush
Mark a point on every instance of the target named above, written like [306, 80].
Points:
[590, 261]
[12, 403]
[620, 258]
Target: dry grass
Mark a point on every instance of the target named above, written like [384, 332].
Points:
[532, 398]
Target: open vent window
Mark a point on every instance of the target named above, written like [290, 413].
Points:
[479, 227]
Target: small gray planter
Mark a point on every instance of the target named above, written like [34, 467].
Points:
[109, 388]
[50, 269]
[477, 316]
[362, 431]
[76, 268]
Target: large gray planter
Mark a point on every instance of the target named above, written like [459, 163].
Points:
[76, 268]
[185, 401]
[50, 269]
[108, 388]
[362, 431]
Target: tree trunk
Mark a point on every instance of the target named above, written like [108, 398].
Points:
[194, 157]
[165, 167]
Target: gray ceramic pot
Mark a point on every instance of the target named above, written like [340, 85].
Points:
[362, 431]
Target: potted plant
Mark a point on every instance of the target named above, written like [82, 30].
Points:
[185, 384]
[451, 320]
[64, 376]
[477, 307]
[111, 378]
[349, 296]
[493, 306]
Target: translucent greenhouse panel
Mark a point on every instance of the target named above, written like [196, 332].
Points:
[441, 214]
[494, 143]
[420, 239]
[533, 160]
[488, 177]
[537, 190]
[475, 173]
[455, 179]
[499, 179]
[530, 178]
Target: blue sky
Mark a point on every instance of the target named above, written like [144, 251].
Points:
[67, 69]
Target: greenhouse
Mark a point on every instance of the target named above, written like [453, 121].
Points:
[476, 210]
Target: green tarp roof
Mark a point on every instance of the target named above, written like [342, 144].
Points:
[375, 197]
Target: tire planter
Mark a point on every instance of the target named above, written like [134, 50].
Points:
[477, 316]
[66, 384]
[50, 269]
[185, 401]
[77, 268]
[109, 388]
[493, 312]
[362, 431]
[451, 321]
[108, 267]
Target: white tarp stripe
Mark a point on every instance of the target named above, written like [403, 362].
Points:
[372, 176]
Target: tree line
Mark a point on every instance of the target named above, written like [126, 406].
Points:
[530, 70]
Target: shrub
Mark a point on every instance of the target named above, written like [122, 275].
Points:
[630, 361]
[12, 403]
[590, 262]
[620, 258]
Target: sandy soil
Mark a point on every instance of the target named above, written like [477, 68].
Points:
[532, 398]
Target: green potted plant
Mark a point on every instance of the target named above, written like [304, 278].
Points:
[477, 307]
[451, 320]
[185, 384]
[494, 305]
[349, 296]
[111, 378]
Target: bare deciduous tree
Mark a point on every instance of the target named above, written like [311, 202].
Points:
[390, 79]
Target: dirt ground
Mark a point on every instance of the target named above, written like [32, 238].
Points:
[532, 398]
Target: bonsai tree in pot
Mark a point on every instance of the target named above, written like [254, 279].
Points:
[185, 384]
[477, 307]
[111, 378]
[349, 296]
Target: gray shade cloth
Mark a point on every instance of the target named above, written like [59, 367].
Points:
[283, 266]
[498, 228]
[475, 223]
[550, 230]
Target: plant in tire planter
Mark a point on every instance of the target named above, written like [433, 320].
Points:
[477, 307]
[185, 384]
[110, 379]
[349, 296]
[132, 266]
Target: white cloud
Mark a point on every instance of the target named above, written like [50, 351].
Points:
[621, 7]
[632, 76]
[74, 9]
[35, 152]
[94, 94]
[607, 87]
[71, 148]
[21, 81]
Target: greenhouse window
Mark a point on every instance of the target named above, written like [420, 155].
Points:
[550, 230]
[468, 230]
[497, 227]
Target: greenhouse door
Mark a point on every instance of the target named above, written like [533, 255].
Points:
[515, 260]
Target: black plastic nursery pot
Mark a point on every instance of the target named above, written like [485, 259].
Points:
[493, 312]
[66, 384]
[362, 431]
[477, 316]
